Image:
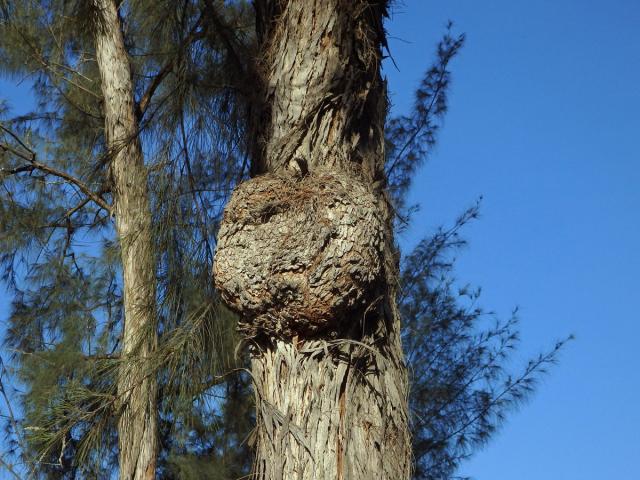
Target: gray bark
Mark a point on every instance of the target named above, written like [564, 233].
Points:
[137, 388]
[330, 403]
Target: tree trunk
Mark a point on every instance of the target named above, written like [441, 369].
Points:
[137, 388]
[332, 406]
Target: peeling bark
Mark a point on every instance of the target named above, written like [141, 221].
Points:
[329, 406]
[137, 388]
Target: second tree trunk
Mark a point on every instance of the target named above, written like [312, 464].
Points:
[137, 388]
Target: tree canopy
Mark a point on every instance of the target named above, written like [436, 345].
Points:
[193, 65]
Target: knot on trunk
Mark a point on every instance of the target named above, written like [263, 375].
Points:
[298, 256]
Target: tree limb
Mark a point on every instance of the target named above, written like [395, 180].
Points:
[167, 69]
[30, 156]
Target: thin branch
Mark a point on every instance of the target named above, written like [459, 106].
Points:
[7, 466]
[424, 121]
[226, 35]
[168, 68]
[75, 209]
[157, 80]
[73, 180]
[532, 367]
[15, 137]
[30, 156]
[12, 417]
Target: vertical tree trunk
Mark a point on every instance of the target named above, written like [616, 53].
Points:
[137, 388]
[329, 407]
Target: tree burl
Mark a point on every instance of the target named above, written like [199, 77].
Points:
[300, 255]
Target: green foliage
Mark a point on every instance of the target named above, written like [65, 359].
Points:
[57, 249]
[458, 356]
[411, 138]
[191, 467]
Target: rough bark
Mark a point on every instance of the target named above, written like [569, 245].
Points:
[300, 256]
[137, 388]
[329, 406]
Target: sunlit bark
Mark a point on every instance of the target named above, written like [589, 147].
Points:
[137, 388]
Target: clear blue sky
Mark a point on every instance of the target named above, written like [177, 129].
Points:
[544, 122]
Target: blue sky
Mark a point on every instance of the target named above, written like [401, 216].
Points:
[543, 123]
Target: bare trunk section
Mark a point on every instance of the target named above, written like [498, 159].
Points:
[137, 388]
[335, 405]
